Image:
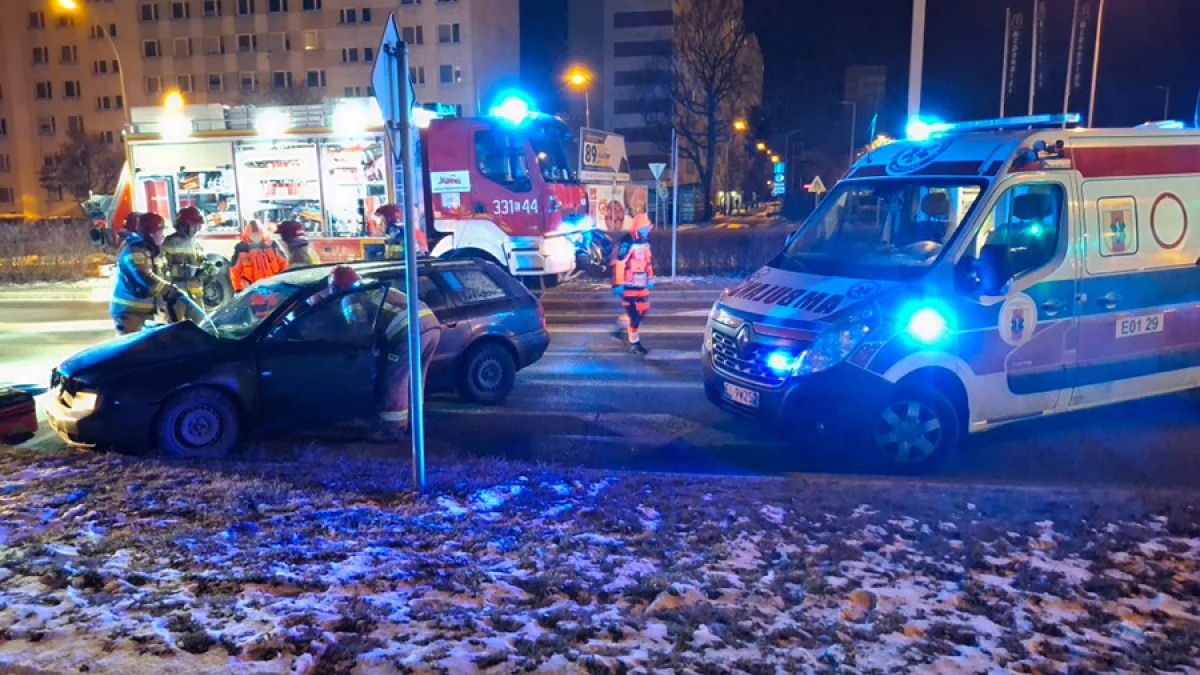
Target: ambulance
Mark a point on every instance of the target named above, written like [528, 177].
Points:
[977, 274]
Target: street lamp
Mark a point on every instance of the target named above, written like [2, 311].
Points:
[1166, 101]
[73, 6]
[760, 146]
[774, 159]
[579, 77]
[739, 125]
[853, 122]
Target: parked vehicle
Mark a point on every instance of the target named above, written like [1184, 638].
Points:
[18, 418]
[270, 358]
[995, 271]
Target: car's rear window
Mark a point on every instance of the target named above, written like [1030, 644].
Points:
[473, 286]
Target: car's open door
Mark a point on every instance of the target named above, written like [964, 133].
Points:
[317, 365]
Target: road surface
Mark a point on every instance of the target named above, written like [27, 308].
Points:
[590, 402]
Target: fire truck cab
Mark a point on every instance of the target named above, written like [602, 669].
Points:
[975, 275]
[496, 187]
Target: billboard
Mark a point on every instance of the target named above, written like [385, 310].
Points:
[602, 157]
[612, 207]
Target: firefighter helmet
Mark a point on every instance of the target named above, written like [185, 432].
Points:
[343, 277]
[642, 225]
[149, 223]
[131, 222]
[191, 216]
[389, 214]
[289, 229]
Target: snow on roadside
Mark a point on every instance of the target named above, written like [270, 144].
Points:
[133, 566]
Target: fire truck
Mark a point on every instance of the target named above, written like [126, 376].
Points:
[497, 187]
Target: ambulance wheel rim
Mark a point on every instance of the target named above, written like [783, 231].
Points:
[908, 432]
[488, 374]
[199, 427]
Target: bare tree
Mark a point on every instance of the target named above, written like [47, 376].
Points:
[282, 96]
[699, 87]
[84, 165]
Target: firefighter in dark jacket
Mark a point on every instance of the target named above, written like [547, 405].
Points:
[187, 266]
[633, 277]
[256, 257]
[142, 289]
[391, 218]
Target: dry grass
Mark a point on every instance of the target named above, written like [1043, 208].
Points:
[46, 251]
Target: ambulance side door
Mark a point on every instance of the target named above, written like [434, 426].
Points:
[1139, 331]
[1025, 359]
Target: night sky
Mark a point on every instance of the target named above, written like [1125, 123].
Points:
[807, 45]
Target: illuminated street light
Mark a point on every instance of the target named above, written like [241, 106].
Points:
[774, 159]
[761, 147]
[579, 77]
[69, 5]
[739, 125]
[173, 102]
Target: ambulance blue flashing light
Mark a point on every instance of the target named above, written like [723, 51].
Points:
[921, 129]
[781, 363]
[513, 107]
[927, 326]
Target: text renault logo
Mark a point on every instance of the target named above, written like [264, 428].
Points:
[745, 339]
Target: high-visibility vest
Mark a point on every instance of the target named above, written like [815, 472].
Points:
[636, 268]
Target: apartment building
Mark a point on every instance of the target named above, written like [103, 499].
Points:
[62, 70]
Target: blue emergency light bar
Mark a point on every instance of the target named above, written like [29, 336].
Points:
[920, 129]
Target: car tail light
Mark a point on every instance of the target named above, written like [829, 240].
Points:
[542, 315]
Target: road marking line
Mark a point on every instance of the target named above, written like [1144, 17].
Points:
[655, 355]
[644, 330]
[582, 383]
[611, 316]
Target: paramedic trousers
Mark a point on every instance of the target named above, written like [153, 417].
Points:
[635, 310]
[130, 320]
[393, 404]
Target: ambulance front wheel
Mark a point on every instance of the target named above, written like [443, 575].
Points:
[911, 428]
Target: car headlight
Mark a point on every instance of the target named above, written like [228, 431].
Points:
[837, 341]
[719, 315]
[84, 401]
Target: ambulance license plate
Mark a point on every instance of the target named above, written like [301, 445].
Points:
[741, 395]
[1139, 325]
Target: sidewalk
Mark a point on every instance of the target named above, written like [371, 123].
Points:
[89, 290]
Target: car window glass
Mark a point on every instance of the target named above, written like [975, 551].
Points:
[346, 318]
[474, 286]
[432, 295]
[1025, 221]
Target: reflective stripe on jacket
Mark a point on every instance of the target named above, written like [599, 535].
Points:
[301, 253]
[252, 262]
[634, 269]
[140, 277]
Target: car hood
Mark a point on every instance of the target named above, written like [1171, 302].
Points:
[138, 351]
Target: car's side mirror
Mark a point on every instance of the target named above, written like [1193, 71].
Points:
[994, 269]
[966, 275]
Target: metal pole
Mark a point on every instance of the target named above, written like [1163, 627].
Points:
[853, 123]
[1167, 105]
[1004, 61]
[1071, 62]
[916, 58]
[1095, 65]
[402, 96]
[1033, 64]
[674, 199]
[120, 76]
[587, 108]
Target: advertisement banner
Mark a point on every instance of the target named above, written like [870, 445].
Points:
[612, 207]
[1016, 35]
[602, 157]
[1039, 29]
[1085, 36]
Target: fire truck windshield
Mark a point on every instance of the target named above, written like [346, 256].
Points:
[549, 140]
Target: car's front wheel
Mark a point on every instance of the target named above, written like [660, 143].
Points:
[198, 424]
[909, 429]
[487, 374]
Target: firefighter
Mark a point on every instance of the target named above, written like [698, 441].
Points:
[391, 218]
[128, 228]
[633, 277]
[256, 256]
[299, 251]
[392, 385]
[187, 266]
[142, 288]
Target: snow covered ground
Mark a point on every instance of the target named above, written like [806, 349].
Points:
[321, 563]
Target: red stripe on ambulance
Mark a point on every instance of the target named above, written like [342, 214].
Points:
[1145, 160]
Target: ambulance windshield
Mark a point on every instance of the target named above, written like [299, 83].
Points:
[883, 229]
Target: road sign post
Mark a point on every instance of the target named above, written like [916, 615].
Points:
[394, 92]
[656, 169]
[674, 200]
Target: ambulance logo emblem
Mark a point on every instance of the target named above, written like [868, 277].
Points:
[917, 157]
[1018, 320]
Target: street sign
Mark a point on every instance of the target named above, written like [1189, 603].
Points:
[816, 186]
[656, 168]
[390, 85]
[394, 92]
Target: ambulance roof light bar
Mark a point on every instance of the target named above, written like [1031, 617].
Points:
[1023, 122]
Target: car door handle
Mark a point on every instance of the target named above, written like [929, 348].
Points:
[1052, 307]
[450, 324]
[1109, 300]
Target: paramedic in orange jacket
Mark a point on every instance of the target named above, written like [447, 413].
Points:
[256, 256]
[633, 277]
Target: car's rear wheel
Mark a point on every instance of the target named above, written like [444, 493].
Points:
[487, 374]
[198, 424]
[908, 430]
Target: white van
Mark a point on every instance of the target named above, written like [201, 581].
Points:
[992, 272]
